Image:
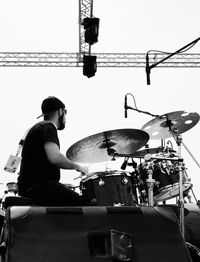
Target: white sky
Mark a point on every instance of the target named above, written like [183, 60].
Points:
[96, 104]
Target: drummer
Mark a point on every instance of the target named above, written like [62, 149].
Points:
[42, 160]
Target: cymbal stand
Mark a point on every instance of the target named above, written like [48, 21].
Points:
[181, 169]
[150, 184]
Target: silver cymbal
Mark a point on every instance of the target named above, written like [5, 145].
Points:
[143, 152]
[180, 121]
[102, 146]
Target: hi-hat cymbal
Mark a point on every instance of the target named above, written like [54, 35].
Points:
[179, 121]
[102, 146]
[153, 150]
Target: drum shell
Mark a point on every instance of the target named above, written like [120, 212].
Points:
[191, 221]
[108, 190]
[166, 177]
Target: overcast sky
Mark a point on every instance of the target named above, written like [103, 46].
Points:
[96, 104]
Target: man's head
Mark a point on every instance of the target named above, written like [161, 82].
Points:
[51, 107]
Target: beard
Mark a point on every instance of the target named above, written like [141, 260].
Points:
[61, 122]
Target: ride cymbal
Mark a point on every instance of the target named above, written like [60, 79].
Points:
[103, 146]
[163, 126]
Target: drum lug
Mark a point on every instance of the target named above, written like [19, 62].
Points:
[101, 182]
[124, 180]
[82, 187]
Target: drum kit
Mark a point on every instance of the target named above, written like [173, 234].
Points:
[161, 174]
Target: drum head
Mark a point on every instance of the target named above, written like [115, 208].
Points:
[171, 192]
[100, 174]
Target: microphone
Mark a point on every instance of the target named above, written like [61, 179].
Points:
[148, 69]
[125, 107]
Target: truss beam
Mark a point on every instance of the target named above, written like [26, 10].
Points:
[40, 59]
[85, 10]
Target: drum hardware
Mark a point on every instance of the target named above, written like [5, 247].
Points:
[82, 187]
[138, 186]
[194, 251]
[181, 169]
[141, 153]
[116, 204]
[124, 180]
[12, 188]
[125, 163]
[146, 151]
[109, 146]
[148, 157]
[150, 183]
[173, 125]
[101, 182]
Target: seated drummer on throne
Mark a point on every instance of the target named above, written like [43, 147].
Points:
[42, 160]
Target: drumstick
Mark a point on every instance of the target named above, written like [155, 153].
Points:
[82, 174]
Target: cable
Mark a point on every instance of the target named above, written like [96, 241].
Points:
[194, 196]
[179, 51]
[169, 53]
[139, 111]
[133, 99]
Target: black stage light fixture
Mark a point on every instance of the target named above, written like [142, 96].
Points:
[91, 26]
[89, 65]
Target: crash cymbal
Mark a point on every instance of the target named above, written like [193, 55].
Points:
[102, 146]
[179, 121]
[151, 151]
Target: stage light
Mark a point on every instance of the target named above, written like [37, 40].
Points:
[89, 65]
[91, 26]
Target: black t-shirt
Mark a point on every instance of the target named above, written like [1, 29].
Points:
[35, 166]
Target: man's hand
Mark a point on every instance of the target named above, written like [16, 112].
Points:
[82, 169]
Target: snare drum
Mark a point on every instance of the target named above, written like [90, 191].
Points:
[166, 177]
[109, 188]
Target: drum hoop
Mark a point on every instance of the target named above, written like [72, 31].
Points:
[171, 186]
[158, 198]
[112, 173]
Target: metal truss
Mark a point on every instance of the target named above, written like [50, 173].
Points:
[85, 10]
[62, 59]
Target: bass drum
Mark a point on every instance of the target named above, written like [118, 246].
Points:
[192, 228]
[194, 252]
[192, 224]
[2, 216]
[109, 188]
